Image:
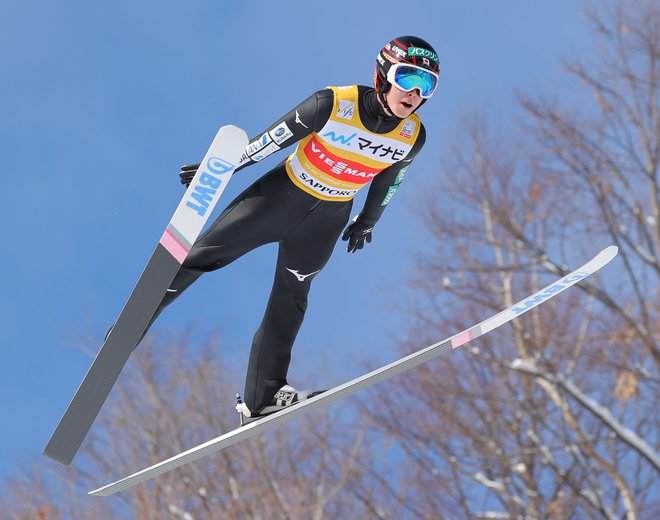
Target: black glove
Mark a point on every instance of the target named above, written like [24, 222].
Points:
[187, 173]
[356, 233]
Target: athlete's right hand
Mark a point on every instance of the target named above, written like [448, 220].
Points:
[356, 234]
[187, 173]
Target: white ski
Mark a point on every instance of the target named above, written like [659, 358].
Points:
[193, 211]
[367, 380]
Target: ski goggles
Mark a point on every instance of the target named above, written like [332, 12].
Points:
[411, 77]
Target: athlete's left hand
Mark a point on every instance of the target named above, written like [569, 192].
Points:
[187, 173]
[356, 234]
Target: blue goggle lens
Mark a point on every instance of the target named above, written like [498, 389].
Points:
[409, 78]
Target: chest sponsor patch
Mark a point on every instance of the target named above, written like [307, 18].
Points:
[375, 146]
[337, 167]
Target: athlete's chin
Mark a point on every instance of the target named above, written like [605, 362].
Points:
[403, 111]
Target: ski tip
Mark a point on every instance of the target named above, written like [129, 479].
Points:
[232, 132]
[609, 252]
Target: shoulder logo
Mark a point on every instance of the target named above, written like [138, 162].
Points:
[346, 109]
[299, 121]
[281, 132]
[408, 129]
[257, 144]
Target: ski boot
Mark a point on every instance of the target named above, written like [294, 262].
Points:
[285, 397]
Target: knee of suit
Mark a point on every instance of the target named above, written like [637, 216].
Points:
[290, 298]
[301, 304]
[297, 292]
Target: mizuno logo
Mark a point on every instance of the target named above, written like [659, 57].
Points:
[301, 277]
[298, 120]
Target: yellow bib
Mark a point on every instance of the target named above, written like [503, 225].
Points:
[334, 163]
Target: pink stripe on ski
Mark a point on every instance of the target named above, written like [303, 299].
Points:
[175, 248]
[462, 339]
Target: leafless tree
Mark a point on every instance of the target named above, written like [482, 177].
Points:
[172, 397]
[556, 415]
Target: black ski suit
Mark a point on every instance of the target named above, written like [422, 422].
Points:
[275, 209]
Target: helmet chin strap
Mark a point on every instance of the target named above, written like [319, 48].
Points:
[383, 101]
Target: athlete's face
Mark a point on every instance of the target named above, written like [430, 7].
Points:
[403, 103]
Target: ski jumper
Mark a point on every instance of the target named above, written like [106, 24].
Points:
[345, 141]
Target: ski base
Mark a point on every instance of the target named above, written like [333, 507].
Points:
[110, 360]
[185, 226]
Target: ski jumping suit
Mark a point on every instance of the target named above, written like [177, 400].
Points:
[345, 140]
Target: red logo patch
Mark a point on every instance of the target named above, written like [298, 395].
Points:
[336, 166]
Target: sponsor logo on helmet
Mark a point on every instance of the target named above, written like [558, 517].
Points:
[380, 59]
[419, 52]
[398, 51]
[391, 59]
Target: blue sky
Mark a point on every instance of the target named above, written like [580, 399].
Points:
[102, 102]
